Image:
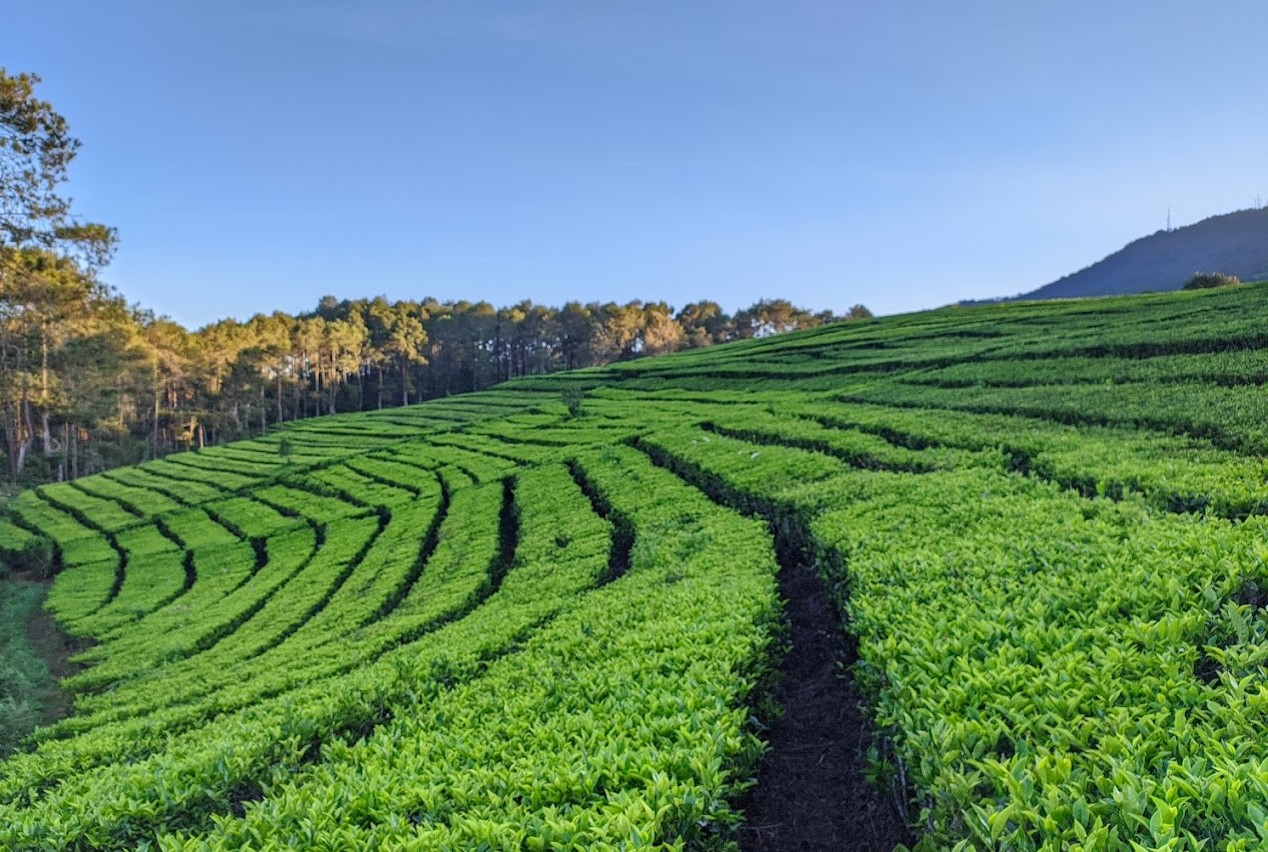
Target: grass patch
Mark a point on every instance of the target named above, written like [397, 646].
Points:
[28, 692]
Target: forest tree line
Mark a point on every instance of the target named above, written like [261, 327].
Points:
[88, 382]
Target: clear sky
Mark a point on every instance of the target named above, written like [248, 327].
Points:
[257, 155]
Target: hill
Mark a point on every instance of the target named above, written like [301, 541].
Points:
[1234, 243]
[590, 610]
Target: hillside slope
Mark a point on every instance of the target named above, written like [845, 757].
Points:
[548, 616]
[1234, 243]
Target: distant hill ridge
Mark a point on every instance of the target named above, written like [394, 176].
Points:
[1234, 243]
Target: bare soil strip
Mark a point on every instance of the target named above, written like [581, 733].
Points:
[811, 792]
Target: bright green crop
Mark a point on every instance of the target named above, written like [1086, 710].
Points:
[524, 620]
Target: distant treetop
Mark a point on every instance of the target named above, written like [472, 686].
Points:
[1207, 280]
[35, 149]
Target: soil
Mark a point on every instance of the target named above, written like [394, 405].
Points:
[811, 792]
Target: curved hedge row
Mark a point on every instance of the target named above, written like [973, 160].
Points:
[531, 619]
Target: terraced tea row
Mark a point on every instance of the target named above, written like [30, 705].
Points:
[1034, 656]
[487, 566]
[547, 616]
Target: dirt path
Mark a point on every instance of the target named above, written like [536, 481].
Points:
[811, 792]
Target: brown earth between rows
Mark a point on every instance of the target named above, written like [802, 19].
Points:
[811, 792]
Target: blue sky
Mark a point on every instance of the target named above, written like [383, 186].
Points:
[257, 155]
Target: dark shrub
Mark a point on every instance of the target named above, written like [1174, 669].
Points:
[1207, 280]
[35, 554]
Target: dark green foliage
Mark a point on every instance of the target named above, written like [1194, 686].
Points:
[35, 557]
[573, 399]
[25, 684]
[22, 551]
[1208, 280]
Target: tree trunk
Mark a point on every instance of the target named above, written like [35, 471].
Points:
[154, 431]
[46, 437]
[333, 385]
[25, 429]
[10, 439]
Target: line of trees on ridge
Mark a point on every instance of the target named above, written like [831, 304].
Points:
[88, 382]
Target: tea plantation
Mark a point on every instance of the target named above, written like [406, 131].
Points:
[549, 616]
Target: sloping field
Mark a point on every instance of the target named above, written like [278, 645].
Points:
[552, 615]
